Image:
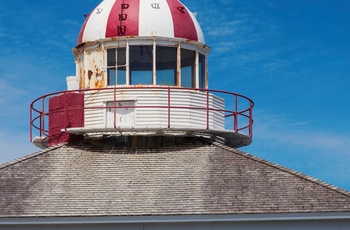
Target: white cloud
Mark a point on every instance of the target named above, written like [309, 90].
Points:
[239, 38]
[14, 146]
[9, 93]
[281, 130]
[302, 146]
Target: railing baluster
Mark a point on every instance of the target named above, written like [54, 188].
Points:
[207, 90]
[251, 121]
[31, 123]
[115, 107]
[168, 107]
[236, 113]
[42, 117]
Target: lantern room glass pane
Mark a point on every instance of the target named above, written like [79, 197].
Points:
[141, 67]
[111, 67]
[121, 66]
[116, 66]
[111, 57]
[188, 63]
[201, 71]
[166, 65]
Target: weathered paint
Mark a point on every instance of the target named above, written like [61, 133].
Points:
[178, 71]
[79, 62]
[90, 68]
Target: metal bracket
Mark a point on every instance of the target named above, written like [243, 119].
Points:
[122, 17]
[121, 30]
[125, 6]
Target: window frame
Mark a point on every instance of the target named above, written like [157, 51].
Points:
[116, 66]
[199, 77]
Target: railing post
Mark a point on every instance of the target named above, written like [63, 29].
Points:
[169, 107]
[207, 108]
[235, 122]
[250, 121]
[42, 117]
[30, 123]
[115, 107]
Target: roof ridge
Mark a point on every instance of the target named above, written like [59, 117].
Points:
[285, 169]
[27, 157]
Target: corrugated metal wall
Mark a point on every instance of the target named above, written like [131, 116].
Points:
[156, 117]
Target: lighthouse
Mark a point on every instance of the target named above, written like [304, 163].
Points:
[141, 72]
[139, 140]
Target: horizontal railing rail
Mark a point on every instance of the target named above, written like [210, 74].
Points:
[39, 108]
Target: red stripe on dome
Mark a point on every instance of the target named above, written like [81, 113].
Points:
[183, 24]
[131, 23]
[81, 33]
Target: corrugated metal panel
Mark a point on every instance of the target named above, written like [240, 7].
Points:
[190, 108]
[217, 118]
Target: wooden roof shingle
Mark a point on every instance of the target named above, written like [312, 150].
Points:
[188, 178]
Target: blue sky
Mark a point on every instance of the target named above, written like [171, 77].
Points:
[291, 57]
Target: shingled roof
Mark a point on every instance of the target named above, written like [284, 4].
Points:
[186, 177]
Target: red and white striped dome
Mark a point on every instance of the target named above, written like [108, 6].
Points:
[164, 18]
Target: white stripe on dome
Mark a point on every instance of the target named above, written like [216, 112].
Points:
[198, 29]
[155, 19]
[96, 25]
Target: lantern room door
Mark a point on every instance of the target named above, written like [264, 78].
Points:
[121, 116]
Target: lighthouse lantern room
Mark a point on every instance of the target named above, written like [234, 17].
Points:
[141, 70]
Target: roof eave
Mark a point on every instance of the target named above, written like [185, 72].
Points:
[176, 218]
